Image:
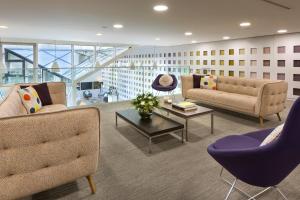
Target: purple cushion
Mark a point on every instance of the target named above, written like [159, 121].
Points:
[196, 80]
[43, 92]
[236, 142]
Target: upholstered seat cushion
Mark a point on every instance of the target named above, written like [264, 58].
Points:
[236, 101]
[52, 108]
[165, 80]
[236, 142]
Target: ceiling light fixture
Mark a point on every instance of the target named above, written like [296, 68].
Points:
[245, 24]
[226, 38]
[3, 27]
[118, 26]
[157, 39]
[194, 41]
[282, 31]
[99, 34]
[188, 33]
[160, 8]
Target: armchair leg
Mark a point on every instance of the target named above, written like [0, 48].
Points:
[91, 183]
[278, 115]
[261, 121]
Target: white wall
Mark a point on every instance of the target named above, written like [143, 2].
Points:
[287, 40]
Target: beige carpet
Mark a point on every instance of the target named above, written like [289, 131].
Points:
[174, 171]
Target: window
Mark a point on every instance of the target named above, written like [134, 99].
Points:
[281, 76]
[213, 72]
[222, 52]
[296, 91]
[213, 52]
[267, 50]
[231, 62]
[266, 63]
[179, 62]
[191, 53]
[253, 63]
[197, 62]
[231, 52]
[221, 72]
[242, 51]
[281, 63]
[296, 77]
[169, 55]
[266, 75]
[297, 49]
[253, 51]
[179, 54]
[185, 54]
[191, 62]
[213, 62]
[205, 53]
[231, 73]
[198, 53]
[281, 49]
[253, 75]
[174, 54]
[241, 62]
[241, 74]
[296, 63]
[204, 62]
[205, 71]
[222, 62]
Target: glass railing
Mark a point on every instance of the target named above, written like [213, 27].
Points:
[106, 85]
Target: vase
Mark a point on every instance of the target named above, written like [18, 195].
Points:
[145, 115]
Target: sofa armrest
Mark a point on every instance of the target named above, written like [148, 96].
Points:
[186, 84]
[57, 92]
[46, 150]
[271, 98]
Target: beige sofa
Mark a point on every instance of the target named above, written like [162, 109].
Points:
[44, 150]
[258, 98]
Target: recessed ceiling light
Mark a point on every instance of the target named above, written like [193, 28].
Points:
[188, 33]
[160, 8]
[99, 34]
[118, 26]
[226, 38]
[157, 39]
[282, 31]
[194, 41]
[3, 27]
[245, 24]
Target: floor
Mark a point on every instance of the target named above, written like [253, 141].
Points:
[174, 171]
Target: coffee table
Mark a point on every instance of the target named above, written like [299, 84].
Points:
[156, 126]
[190, 114]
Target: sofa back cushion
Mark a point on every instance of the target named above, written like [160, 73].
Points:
[12, 105]
[244, 86]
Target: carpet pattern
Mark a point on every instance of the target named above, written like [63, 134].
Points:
[174, 171]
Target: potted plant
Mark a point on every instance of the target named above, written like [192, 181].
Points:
[144, 104]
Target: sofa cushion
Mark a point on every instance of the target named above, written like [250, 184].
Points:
[12, 104]
[165, 80]
[227, 100]
[197, 80]
[30, 99]
[52, 108]
[209, 82]
[43, 92]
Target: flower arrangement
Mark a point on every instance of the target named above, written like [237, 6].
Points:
[145, 103]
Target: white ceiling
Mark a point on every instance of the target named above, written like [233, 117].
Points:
[80, 20]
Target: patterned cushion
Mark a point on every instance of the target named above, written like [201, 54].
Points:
[273, 135]
[30, 99]
[197, 80]
[209, 82]
[165, 80]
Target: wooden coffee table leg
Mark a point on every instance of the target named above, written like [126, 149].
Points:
[116, 120]
[212, 123]
[149, 145]
[186, 129]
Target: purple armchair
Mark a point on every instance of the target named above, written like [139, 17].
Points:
[264, 166]
[160, 88]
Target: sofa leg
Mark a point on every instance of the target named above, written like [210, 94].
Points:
[278, 115]
[261, 121]
[91, 183]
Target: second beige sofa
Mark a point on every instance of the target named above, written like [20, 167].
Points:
[258, 98]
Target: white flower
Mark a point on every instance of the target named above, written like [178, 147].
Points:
[142, 103]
